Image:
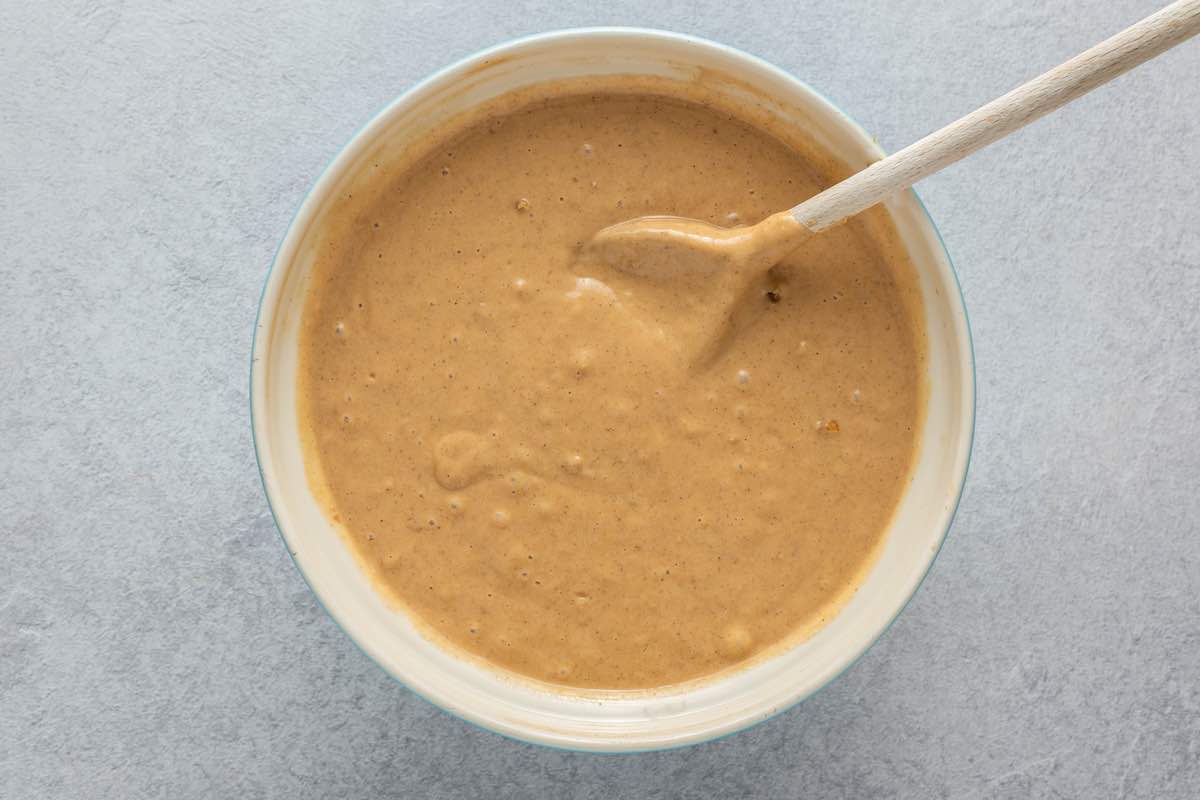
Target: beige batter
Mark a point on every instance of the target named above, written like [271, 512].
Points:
[522, 446]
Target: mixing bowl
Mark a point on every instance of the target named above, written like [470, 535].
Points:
[591, 720]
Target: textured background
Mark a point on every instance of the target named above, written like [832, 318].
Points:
[155, 640]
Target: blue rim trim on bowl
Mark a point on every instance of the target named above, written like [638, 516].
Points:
[547, 36]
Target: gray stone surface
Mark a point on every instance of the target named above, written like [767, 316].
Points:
[155, 640]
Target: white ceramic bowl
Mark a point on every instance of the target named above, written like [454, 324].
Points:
[599, 721]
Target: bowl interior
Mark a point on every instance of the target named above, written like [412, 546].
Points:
[630, 720]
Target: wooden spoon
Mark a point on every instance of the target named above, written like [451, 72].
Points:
[672, 247]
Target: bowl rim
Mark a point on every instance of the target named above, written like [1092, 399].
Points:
[301, 219]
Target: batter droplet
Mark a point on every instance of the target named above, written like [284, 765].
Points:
[460, 459]
[736, 641]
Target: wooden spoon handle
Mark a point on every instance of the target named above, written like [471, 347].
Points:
[1141, 42]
